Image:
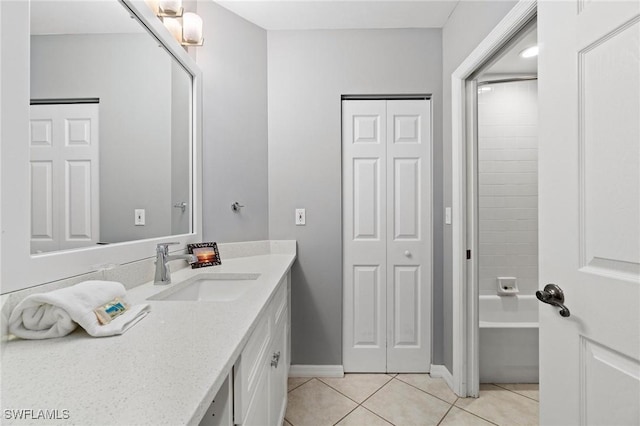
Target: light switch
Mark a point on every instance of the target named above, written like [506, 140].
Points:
[139, 217]
[447, 215]
[301, 217]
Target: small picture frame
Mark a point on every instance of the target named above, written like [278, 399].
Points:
[207, 254]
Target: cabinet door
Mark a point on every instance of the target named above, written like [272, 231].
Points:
[258, 409]
[278, 374]
[249, 366]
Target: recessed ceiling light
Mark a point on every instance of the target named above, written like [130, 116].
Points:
[529, 52]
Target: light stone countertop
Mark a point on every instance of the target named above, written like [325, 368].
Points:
[164, 370]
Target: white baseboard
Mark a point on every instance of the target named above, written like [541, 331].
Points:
[316, 371]
[442, 372]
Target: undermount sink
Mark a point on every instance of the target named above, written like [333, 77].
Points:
[210, 287]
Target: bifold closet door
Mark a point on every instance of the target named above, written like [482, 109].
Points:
[386, 235]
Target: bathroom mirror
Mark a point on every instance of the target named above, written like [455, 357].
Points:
[163, 161]
[110, 129]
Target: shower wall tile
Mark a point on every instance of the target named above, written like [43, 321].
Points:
[508, 185]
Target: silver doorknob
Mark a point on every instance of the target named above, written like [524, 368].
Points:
[553, 295]
[407, 253]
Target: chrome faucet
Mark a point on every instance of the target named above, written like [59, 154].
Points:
[163, 273]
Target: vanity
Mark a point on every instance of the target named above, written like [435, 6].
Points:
[208, 362]
[99, 215]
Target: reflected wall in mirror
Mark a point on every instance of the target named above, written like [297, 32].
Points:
[110, 131]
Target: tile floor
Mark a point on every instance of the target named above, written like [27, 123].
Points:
[405, 399]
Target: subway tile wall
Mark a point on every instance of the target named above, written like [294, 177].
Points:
[508, 184]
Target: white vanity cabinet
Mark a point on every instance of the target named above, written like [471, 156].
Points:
[260, 374]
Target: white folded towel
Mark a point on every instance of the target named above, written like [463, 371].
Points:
[58, 313]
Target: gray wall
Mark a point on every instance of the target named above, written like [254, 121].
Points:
[234, 65]
[308, 72]
[132, 78]
[180, 141]
[467, 26]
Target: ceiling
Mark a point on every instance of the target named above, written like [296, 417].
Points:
[91, 17]
[340, 14]
[511, 63]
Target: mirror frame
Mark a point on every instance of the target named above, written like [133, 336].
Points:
[18, 268]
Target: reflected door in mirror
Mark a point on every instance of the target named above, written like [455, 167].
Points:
[64, 176]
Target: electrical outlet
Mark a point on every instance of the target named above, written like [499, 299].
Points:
[139, 217]
[301, 217]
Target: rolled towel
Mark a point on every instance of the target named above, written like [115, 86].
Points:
[58, 313]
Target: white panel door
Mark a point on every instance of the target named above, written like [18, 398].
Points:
[386, 236]
[64, 176]
[408, 236]
[364, 235]
[589, 167]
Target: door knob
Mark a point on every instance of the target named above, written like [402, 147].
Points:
[236, 207]
[407, 253]
[553, 295]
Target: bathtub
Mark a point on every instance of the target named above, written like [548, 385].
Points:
[508, 339]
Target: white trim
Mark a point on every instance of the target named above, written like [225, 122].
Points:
[442, 372]
[316, 371]
[465, 326]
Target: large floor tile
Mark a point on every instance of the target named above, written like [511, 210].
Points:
[530, 390]
[361, 417]
[357, 386]
[316, 404]
[402, 404]
[501, 406]
[436, 387]
[294, 382]
[458, 417]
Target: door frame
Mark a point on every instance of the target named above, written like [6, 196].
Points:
[465, 330]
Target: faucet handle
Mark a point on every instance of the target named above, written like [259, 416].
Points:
[164, 247]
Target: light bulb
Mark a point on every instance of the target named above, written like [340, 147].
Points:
[529, 52]
[191, 28]
[174, 27]
[172, 7]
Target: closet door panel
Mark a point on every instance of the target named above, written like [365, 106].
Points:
[364, 236]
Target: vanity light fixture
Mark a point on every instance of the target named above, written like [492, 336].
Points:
[529, 52]
[174, 27]
[186, 27]
[170, 8]
[191, 30]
